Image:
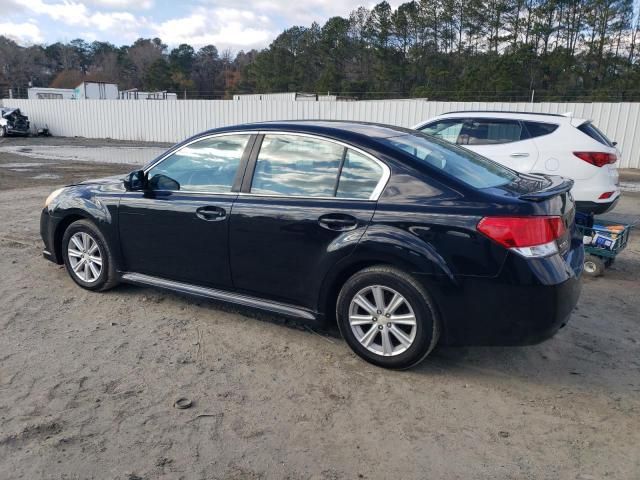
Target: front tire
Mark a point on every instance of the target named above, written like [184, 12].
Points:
[387, 317]
[87, 257]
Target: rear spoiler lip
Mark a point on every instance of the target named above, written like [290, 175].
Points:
[559, 185]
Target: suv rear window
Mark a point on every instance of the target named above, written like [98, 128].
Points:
[538, 129]
[589, 129]
[464, 165]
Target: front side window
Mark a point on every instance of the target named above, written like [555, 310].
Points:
[482, 131]
[296, 165]
[456, 162]
[208, 165]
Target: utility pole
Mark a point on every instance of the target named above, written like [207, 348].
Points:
[533, 92]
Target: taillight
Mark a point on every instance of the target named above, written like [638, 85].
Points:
[599, 159]
[528, 236]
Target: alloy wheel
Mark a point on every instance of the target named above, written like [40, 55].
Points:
[85, 257]
[382, 320]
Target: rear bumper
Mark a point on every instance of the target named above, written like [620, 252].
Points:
[587, 191]
[527, 303]
[17, 131]
[511, 314]
[596, 208]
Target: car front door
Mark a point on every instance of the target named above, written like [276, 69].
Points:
[305, 203]
[177, 228]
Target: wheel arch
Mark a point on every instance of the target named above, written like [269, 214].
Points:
[337, 277]
[61, 228]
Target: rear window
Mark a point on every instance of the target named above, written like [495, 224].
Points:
[590, 129]
[464, 165]
[538, 129]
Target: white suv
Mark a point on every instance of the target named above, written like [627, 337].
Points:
[539, 143]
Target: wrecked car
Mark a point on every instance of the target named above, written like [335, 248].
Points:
[12, 122]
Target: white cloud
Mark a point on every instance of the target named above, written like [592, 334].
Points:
[300, 12]
[223, 27]
[123, 4]
[22, 33]
[234, 24]
[109, 21]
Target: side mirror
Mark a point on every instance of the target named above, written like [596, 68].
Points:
[614, 144]
[162, 182]
[136, 180]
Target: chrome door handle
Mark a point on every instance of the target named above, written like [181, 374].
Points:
[338, 221]
[211, 213]
[520, 154]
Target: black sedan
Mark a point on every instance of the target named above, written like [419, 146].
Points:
[404, 240]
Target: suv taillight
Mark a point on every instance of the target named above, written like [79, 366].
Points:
[599, 159]
[528, 236]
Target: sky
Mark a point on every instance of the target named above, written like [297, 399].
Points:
[227, 24]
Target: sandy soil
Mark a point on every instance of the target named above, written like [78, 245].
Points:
[88, 382]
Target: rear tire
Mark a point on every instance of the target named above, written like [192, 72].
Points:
[387, 317]
[87, 257]
[593, 266]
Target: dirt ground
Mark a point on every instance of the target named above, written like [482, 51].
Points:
[88, 381]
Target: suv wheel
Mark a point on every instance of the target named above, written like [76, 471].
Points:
[87, 256]
[387, 318]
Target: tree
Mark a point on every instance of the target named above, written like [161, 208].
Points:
[442, 49]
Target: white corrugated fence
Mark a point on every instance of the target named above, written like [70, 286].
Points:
[163, 121]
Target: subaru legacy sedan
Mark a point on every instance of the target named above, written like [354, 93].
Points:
[404, 240]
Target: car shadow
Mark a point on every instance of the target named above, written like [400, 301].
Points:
[572, 360]
[564, 362]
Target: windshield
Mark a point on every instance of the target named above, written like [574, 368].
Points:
[471, 168]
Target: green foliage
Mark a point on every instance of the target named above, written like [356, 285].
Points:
[439, 49]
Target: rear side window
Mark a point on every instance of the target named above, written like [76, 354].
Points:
[459, 163]
[300, 166]
[589, 129]
[294, 165]
[538, 129]
[481, 131]
[359, 177]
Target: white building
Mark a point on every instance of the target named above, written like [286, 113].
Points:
[38, 93]
[135, 94]
[288, 96]
[96, 91]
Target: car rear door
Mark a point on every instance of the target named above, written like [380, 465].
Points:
[179, 231]
[304, 205]
[504, 140]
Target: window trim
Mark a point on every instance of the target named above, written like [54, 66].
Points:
[245, 191]
[248, 149]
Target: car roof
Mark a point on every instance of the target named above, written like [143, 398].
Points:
[533, 116]
[337, 128]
